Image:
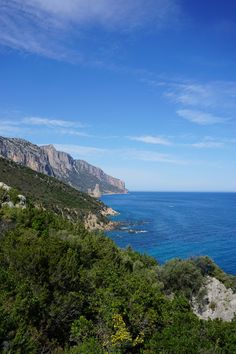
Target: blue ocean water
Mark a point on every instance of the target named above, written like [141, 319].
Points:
[167, 225]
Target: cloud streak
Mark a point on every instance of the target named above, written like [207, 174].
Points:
[85, 152]
[200, 117]
[52, 122]
[26, 28]
[208, 95]
[45, 27]
[149, 139]
[60, 126]
[107, 12]
[152, 156]
[208, 144]
[6, 129]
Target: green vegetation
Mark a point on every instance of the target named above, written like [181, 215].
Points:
[208, 267]
[66, 290]
[48, 192]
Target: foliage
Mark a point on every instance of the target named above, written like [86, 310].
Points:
[122, 336]
[208, 267]
[182, 276]
[66, 290]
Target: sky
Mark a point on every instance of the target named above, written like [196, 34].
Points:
[144, 89]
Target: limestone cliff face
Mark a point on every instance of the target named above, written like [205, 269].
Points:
[46, 159]
[84, 166]
[61, 162]
[27, 154]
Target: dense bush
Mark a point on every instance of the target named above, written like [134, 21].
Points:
[65, 290]
[182, 277]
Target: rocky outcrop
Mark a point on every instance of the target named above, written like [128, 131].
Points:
[218, 301]
[46, 159]
[92, 222]
[96, 192]
[9, 197]
[109, 212]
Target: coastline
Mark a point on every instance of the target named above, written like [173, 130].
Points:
[106, 194]
[177, 225]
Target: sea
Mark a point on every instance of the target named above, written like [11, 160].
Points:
[169, 225]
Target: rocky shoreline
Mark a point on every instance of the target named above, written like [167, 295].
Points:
[92, 222]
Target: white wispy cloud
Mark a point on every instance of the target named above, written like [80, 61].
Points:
[107, 12]
[60, 126]
[44, 26]
[74, 132]
[152, 156]
[86, 152]
[200, 117]
[209, 102]
[6, 129]
[210, 95]
[208, 144]
[11, 127]
[149, 139]
[52, 122]
[23, 26]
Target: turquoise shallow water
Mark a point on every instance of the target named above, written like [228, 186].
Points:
[166, 225]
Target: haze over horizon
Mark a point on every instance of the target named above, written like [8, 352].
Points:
[146, 90]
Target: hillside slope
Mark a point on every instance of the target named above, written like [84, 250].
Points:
[52, 194]
[66, 290]
[46, 159]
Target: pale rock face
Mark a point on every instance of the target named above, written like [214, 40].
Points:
[4, 186]
[25, 153]
[61, 162]
[22, 201]
[109, 212]
[96, 192]
[9, 203]
[91, 223]
[46, 159]
[219, 302]
[22, 198]
[84, 166]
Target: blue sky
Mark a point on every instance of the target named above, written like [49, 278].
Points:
[145, 89]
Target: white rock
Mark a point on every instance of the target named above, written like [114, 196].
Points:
[9, 204]
[109, 212]
[22, 200]
[219, 302]
[4, 186]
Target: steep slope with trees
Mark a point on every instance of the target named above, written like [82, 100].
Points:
[51, 194]
[64, 289]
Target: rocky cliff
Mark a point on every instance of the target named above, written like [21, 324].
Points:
[27, 154]
[46, 159]
[217, 302]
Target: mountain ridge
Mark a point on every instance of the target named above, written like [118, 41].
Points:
[46, 159]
